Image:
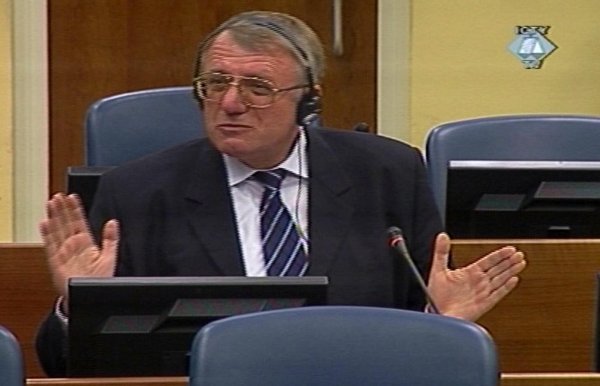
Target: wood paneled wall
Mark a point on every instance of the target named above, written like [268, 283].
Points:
[103, 47]
[547, 323]
[27, 296]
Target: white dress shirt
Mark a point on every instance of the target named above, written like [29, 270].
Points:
[247, 192]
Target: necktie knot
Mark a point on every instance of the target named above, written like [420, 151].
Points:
[270, 178]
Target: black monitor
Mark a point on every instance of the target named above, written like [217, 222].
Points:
[144, 326]
[83, 180]
[523, 199]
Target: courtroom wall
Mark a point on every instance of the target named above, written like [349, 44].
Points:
[460, 65]
[6, 171]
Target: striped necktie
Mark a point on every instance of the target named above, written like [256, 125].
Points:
[283, 250]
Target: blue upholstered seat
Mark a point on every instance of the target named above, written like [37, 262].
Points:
[127, 126]
[11, 360]
[345, 346]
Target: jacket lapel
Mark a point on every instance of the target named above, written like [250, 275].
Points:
[330, 202]
[210, 212]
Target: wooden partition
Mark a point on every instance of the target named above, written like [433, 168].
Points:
[26, 296]
[550, 379]
[132, 381]
[98, 48]
[546, 324]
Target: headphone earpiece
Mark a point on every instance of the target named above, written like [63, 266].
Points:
[309, 109]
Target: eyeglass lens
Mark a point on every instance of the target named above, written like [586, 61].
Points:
[253, 91]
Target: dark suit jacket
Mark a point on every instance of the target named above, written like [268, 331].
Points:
[177, 219]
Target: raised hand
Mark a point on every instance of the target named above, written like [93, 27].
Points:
[70, 247]
[471, 291]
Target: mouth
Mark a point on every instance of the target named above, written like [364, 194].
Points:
[233, 127]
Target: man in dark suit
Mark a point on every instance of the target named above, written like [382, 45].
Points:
[195, 210]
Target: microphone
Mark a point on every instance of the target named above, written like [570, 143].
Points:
[396, 240]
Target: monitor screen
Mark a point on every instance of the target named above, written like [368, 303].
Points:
[144, 326]
[523, 199]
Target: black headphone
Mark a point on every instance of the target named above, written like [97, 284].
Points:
[309, 107]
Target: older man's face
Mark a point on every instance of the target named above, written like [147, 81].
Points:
[259, 137]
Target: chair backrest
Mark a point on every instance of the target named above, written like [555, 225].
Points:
[542, 137]
[127, 126]
[11, 360]
[343, 345]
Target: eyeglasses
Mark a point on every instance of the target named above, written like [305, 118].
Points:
[254, 92]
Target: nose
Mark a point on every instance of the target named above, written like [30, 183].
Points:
[232, 102]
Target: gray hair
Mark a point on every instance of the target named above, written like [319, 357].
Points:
[260, 30]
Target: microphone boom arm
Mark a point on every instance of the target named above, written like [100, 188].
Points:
[396, 240]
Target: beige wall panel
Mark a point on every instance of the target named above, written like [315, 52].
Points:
[6, 153]
[461, 66]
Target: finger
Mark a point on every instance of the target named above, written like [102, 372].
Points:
[51, 218]
[493, 258]
[65, 220]
[110, 234]
[50, 228]
[50, 245]
[441, 252]
[505, 264]
[75, 212]
[502, 291]
[110, 244]
[75, 215]
[59, 216]
[506, 276]
[493, 298]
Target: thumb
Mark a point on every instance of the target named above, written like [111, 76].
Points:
[441, 253]
[110, 238]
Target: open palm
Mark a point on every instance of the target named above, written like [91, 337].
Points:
[70, 247]
[471, 291]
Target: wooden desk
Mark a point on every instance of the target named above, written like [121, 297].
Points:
[138, 381]
[549, 379]
[26, 296]
[546, 324]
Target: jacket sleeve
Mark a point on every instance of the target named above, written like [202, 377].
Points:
[51, 346]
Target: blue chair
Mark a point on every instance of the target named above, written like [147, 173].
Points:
[542, 137]
[127, 126]
[343, 345]
[11, 360]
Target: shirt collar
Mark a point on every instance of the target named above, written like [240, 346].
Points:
[295, 163]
